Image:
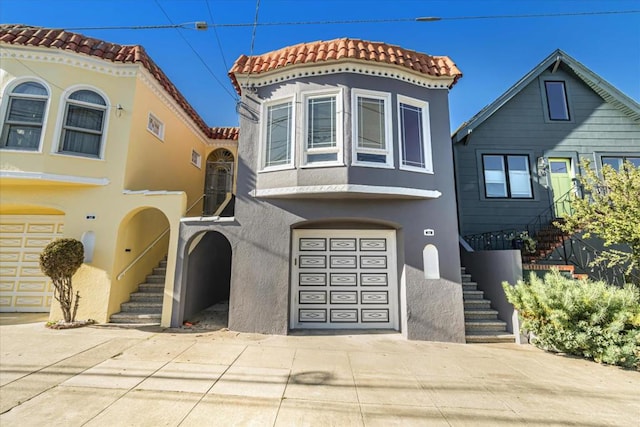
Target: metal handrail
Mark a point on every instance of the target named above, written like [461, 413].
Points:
[152, 244]
[143, 253]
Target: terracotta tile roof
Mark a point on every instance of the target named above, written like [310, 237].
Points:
[345, 49]
[134, 54]
[230, 133]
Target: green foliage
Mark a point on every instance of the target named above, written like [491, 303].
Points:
[60, 260]
[580, 317]
[610, 209]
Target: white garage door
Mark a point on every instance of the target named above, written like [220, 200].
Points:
[344, 279]
[23, 287]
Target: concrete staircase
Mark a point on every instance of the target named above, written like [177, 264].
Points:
[481, 322]
[145, 305]
[548, 239]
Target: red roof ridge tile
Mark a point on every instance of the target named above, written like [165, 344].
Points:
[344, 48]
[57, 38]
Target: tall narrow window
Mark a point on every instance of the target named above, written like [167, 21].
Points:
[557, 100]
[372, 127]
[83, 126]
[415, 139]
[506, 176]
[278, 141]
[22, 127]
[322, 132]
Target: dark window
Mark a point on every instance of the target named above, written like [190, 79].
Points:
[557, 101]
[22, 126]
[412, 136]
[506, 176]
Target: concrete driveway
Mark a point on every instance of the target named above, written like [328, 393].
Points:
[99, 376]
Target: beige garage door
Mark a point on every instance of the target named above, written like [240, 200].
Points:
[23, 287]
[344, 279]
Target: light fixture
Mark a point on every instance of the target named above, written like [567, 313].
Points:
[543, 165]
[119, 110]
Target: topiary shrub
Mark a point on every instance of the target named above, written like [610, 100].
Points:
[580, 317]
[60, 260]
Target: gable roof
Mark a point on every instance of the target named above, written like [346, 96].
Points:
[599, 85]
[345, 49]
[25, 35]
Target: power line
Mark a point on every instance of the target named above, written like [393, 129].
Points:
[232, 95]
[224, 60]
[192, 25]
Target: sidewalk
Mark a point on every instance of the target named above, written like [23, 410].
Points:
[99, 376]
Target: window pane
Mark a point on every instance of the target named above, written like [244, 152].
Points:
[81, 142]
[558, 167]
[614, 162]
[494, 176]
[18, 137]
[322, 123]
[412, 138]
[87, 96]
[557, 101]
[635, 161]
[519, 163]
[278, 144]
[26, 110]
[30, 88]
[85, 118]
[519, 182]
[371, 124]
[328, 157]
[372, 158]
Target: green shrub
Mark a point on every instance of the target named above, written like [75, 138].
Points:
[60, 260]
[580, 317]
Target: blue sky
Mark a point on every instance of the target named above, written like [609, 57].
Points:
[492, 53]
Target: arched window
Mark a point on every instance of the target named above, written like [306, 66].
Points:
[22, 126]
[83, 125]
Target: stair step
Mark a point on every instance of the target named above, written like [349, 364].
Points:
[467, 295]
[480, 314]
[490, 337]
[469, 286]
[466, 277]
[477, 304]
[163, 264]
[160, 271]
[147, 297]
[135, 318]
[149, 307]
[485, 325]
[151, 287]
[155, 278]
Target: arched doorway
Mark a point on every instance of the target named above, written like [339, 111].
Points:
[218, 181]
[208, 273]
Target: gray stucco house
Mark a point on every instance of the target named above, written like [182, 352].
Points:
[517, 159]
[345, 210]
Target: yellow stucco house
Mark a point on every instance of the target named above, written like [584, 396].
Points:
[97, 144]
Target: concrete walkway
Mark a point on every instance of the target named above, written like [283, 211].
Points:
[100, 376]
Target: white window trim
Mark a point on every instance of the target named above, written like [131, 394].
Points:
[263, 135]
[160, 134]
[197, 164]
[426, 129]
[6, 93]
[339, 149]
[388, 152]
[55, 147]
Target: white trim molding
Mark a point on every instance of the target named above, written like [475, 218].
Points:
[41, 176]
[346, 191]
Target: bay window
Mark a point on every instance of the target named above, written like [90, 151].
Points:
[323, 130]
[278, 135]
[414, 135]
[372, 128]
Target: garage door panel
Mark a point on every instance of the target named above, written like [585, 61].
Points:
[23, 286]
[344, 279]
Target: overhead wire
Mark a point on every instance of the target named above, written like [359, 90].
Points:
[361, 21]
[231, 94]
[224, 60]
